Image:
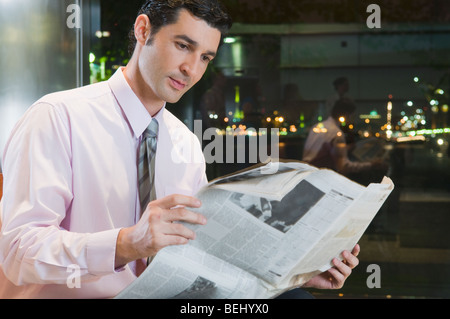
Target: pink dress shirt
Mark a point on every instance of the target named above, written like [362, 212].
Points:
[70, 185]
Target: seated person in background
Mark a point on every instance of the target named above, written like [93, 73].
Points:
[326, 147]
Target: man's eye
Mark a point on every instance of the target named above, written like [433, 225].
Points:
[182, 46]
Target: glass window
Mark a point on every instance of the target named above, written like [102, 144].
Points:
[285, 71]
[286, 63]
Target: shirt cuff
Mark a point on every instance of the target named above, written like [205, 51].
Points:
[101, 252]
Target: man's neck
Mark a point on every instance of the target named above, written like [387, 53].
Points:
[137, 84]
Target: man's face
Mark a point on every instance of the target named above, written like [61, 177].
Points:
[178, 56]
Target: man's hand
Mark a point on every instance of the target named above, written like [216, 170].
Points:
[334, 278]
[157, 228]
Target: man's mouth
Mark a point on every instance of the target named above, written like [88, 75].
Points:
[179, 85]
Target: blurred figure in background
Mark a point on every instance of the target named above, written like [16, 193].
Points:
[326, 145]
[341, 86]
[213, 101]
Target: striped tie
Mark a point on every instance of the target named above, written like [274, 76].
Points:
[146, 164]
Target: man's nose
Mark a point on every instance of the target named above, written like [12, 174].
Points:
[189, 67]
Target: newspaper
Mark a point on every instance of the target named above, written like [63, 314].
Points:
[270, 228]
[369, 149]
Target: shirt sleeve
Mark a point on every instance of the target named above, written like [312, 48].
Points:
[34, 247]
[343, 164]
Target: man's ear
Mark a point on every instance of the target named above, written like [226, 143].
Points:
[142, 29]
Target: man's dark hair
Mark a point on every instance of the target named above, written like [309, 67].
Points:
[343, 107]
[165, 12]
[339, 81]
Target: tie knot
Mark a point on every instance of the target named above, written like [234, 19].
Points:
[152, 129]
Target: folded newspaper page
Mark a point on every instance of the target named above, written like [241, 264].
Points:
[270, 228]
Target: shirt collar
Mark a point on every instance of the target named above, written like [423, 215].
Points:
[135, 112]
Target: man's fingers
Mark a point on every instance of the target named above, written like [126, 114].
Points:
[342, 267]
[350, 259]
[180, 230]
[356, 250]
[174, 241]
[177, 200]
[337, 275]
[183, 215]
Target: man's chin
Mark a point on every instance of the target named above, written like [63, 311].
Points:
[174, 99]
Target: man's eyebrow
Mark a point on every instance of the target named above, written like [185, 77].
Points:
[194, 43]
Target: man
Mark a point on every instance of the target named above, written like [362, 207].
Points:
[71, 186]
[213, 101]
[326, 146]
[341, 87]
